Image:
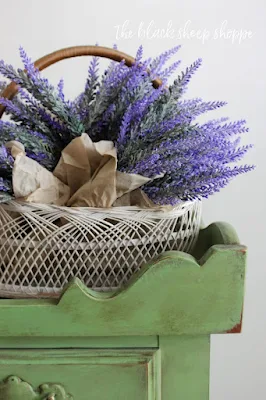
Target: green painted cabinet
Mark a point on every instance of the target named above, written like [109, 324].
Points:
[147, 341]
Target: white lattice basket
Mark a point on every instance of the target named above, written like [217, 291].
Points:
[43, 246]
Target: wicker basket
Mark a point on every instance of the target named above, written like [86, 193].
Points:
[43, 246]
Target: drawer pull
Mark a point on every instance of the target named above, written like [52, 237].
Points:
[14, 388]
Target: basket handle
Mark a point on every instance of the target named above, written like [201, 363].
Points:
[69, 52]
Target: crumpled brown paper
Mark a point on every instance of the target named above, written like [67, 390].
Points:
[86, 175]
[33, 183]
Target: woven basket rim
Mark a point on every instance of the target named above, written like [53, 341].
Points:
[179, 209]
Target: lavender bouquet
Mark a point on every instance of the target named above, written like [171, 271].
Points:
[154, 130]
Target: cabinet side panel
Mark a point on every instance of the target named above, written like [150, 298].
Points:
[185, 367]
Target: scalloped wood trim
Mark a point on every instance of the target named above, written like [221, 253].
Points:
[173, 295]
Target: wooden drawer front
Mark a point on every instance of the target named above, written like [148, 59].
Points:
[80, 374]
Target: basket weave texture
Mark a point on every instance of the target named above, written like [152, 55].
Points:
[43, 246]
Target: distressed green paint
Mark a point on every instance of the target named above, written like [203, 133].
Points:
[14, 388]
[103, 342]
[149, 340]
[185, 362]
[88, 374]
[178, 369]
[174, 295]
[216, 233]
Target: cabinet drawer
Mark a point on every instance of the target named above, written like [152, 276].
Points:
[96, 374]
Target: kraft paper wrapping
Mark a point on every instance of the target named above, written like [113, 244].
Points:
[32, 182]
[85, 176]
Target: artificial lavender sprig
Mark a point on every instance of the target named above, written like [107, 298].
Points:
[60, 88]
[42, 90]
[85, 99]
[6, 165]
[154, 129]
[35, 143]
[20, 112]
[180, 85]
[159, 62]
[191, 187]
[6, 162]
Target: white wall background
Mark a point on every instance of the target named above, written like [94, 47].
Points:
[231, 71]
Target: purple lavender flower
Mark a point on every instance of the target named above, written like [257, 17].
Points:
[124, 125]
[60, 88]
[29, 66]
[6, 160]
[154, 129]
[180, 85]
[43, 91]
[150, 166]
[160, 61]
[167, 72]
[84, 100]
[5, 185]
[139, 54]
